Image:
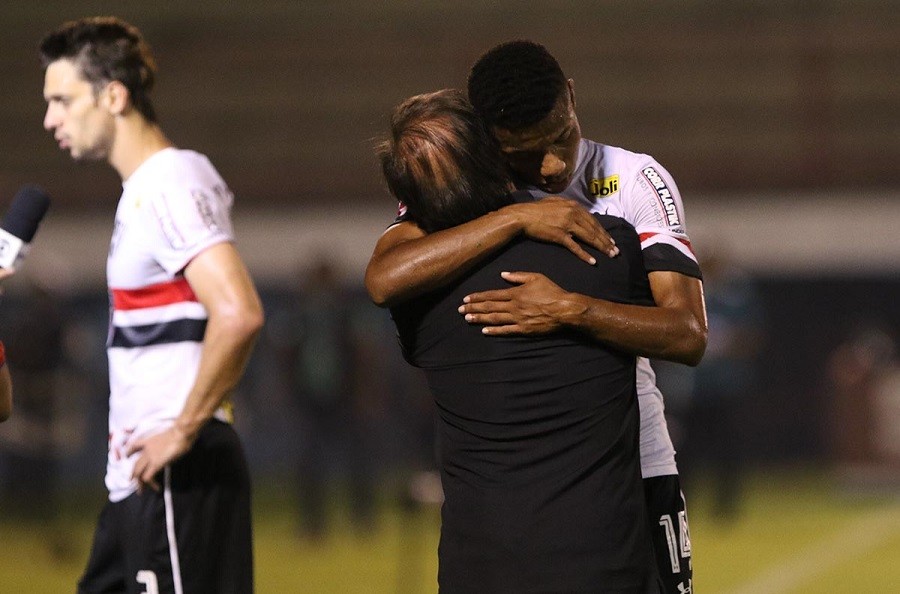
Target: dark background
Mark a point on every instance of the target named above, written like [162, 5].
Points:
[794, 100]
[287, 97]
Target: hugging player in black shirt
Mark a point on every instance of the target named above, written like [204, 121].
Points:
[539, 434]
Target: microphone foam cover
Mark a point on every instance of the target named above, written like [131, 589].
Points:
[28, 207]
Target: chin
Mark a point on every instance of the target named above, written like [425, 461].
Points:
[88, 156]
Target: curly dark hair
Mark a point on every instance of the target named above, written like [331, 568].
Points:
[516, 84]
[106, 49]
[442, 161]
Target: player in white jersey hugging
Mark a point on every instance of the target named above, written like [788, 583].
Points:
[521, 92]
[184, 317]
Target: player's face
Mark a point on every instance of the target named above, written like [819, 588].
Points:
[75, 116]
[545, 154]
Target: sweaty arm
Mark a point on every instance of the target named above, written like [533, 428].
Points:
[407, 262]
[222, 284]
[674, 330]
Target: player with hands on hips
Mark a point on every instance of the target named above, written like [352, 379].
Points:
[184, 318]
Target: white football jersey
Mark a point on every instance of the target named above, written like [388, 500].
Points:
[174, 206]
[633, 186]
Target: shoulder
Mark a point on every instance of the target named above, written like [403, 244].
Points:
[627, 162]
[176, 168]
[175, 176]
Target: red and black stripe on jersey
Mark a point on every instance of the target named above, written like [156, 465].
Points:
[169, 304]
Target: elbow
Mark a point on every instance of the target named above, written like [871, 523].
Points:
[252, 322]
[377, 288]
[376, 293]
[244, 323]
[686, 349]
[694, 346]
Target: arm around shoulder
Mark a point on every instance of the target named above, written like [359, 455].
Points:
[407, 262]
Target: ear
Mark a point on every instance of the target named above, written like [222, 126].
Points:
[571, 84]
[115, 98]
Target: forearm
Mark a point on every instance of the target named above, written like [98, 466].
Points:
[227, 346]
[665, 333]
[416, 265]
[5, 393]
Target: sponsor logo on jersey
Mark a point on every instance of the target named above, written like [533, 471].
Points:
[601, 188]
[665, 196]
[205, 209]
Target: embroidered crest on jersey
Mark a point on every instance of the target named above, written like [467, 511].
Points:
[665, 195]
[601, 188]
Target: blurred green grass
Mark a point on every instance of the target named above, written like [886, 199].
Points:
[796, 533]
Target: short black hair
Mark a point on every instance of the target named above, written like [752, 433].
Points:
[516, 84]
[442, 161]
[106, 49]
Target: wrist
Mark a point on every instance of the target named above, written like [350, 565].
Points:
[509, 219]
[188, 428]
[572, 310]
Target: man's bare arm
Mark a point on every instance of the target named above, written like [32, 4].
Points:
[223, 285]
[6, 399]
[674, 330]
[407, 262]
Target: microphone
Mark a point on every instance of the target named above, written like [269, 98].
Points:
[20, 224]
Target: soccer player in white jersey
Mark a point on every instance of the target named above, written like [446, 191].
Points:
[529, 104]
[184, 317]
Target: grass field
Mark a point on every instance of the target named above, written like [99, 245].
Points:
[795, 534]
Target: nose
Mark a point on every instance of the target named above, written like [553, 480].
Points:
[51, 121]
[552, 166]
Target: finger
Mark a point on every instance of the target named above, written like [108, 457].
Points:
[495, 295]
[135, 447]
[504, 330]
[151, 482]
[596, 236]
[138, 470]
[148, 476]
[490, 319]
[574, 247]
[481, 307]
[520, 278]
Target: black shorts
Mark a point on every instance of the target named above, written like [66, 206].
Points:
[193, 536]
[670, 534]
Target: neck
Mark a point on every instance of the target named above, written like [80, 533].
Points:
[136, 141]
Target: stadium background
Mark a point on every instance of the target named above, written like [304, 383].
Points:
[779, 120]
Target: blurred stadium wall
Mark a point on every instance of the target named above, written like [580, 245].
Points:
[779, 120]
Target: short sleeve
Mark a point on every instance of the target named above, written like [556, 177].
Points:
[655, 209]
[187, 221]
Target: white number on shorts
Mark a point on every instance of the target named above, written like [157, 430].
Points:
[679, 544]
[148, 579]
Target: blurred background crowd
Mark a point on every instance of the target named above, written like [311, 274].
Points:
[780, 121]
